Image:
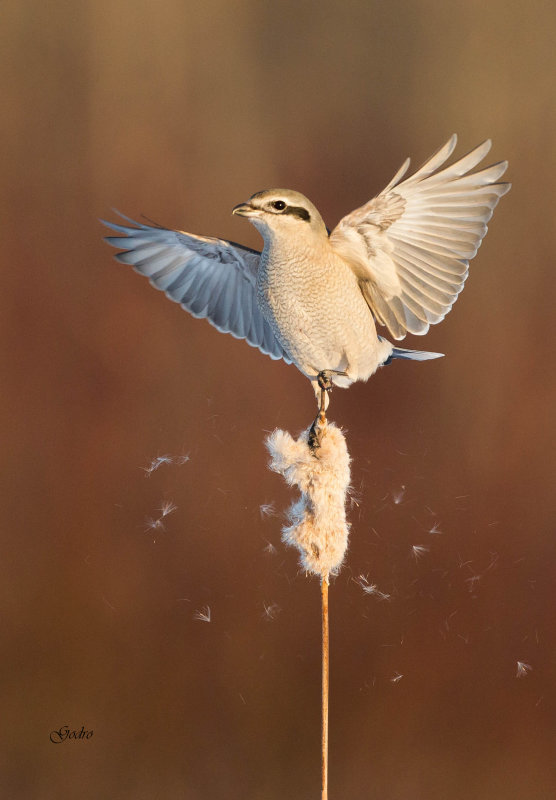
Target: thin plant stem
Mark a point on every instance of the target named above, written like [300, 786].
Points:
[325, 649]
[325, 683]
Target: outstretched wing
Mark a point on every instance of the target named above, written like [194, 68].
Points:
[410, 246]
[209, 277]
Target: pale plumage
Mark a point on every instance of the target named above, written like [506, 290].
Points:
[312, 298]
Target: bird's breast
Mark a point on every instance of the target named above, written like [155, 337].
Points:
[290, 287]
[316, 309]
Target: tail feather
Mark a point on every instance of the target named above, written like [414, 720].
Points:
[411, 355]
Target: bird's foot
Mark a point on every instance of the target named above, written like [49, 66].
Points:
[316, 430]
[324, 379]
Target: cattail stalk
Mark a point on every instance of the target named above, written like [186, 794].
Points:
[325, 685]
[318, 464]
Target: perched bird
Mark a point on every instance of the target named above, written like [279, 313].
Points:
[314, 298]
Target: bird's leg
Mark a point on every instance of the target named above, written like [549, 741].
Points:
[315, 433]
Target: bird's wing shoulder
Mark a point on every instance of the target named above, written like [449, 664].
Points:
[410, 246]
[211, 278]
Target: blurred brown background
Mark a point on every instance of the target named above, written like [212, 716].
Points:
[180, 110]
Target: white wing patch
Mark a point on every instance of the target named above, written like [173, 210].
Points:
[210, 278]
[410, 246]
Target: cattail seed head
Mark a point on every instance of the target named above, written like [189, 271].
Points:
[318, 526]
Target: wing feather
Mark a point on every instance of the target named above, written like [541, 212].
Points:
[410, 246]
[210, 278]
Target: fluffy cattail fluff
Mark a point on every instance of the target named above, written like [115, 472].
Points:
[318, 528]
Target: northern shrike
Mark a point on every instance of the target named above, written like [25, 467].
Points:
[314, 298]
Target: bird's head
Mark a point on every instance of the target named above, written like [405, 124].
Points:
[282, 213]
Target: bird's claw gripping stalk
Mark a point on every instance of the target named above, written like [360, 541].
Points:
[315, 433]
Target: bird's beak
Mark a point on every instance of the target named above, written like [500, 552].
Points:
[245, 210]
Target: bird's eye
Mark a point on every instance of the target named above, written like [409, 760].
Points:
[279, 205]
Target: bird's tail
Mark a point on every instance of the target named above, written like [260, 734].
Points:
[412, 355]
